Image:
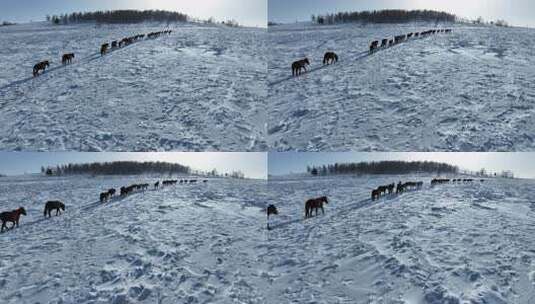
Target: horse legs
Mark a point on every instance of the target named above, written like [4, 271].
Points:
[3, 226]
[57, 212]
[322, 211]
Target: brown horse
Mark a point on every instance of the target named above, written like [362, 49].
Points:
[11, 216]
[53, 205]
[330, 57]
[315, 204]
[297, 66]
[67, 58]
[104, 48]
[40, 66]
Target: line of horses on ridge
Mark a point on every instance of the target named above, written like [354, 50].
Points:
[68, 57]
[58, 206]
[127, 190]
[316, 204]
[331, 57]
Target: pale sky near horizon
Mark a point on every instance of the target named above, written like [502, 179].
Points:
[521, 163]
[246, 12]
[515, 12]
[252, 164]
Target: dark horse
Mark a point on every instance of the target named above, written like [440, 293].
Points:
[315, 204]
[375, 194]
[374, 45]
[53, 205]
[298, 65]
[40, 66]
[11, 216]
[67, 58]
[104, 196]
[271, 209]
[104, 49]
[330, 57]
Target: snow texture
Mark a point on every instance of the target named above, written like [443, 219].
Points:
[453, 243]
[471, 90]
[203, 88]
[194, 243]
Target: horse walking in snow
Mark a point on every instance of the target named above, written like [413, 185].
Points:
[271, 209]
[374, 45]
[299, 65]
[53, 205]
[104, 49]
[40, 66]
[67, 58]
[315, 204]
[330, 57]
[11, 216]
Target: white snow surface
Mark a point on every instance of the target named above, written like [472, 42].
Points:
[195, 243]
[453, 243]
[471, 90]
[201, 88]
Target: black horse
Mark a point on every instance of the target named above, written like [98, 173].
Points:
[40, 66]
[330, 57]
[297, 66]
[53, 205]
[271, 209]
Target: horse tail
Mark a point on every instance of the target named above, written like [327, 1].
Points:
[44, 212]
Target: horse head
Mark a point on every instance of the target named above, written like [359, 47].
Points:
[306, 61]
[21, 210]
[62, 206]
[324, 199]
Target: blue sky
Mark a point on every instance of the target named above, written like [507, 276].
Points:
[246, 12]
[522, 164]
[516, 12]
[253, 165]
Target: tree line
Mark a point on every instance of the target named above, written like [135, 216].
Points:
[132, 168]
[118, 16]
[116, 168]
[383, 167]
[384, 16]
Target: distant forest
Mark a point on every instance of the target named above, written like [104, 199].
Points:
[117, 168]
[131, 168]
[383, 167]
[384, 16]
[119, 16]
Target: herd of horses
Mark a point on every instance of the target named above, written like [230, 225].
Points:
[58, 206]
[127, 190]
[129, 40]
[68, 57]
[400, 188]
[316, 204]
[401, 38]
[331, 57]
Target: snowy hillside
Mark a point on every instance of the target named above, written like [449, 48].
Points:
[201, 88]
[453, 243]
[471, 90]
[195, 243]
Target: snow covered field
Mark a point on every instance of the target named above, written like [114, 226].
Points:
[201, 88]
[471, 90]
[454, 243]
[195, 243]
